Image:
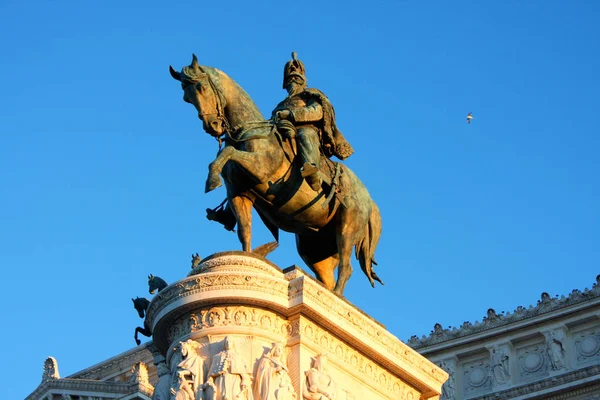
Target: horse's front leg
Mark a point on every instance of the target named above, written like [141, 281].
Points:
[252, 161]
[242, 208]
[215, 167]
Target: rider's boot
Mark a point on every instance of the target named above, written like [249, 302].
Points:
[308, 143]
[222, 215]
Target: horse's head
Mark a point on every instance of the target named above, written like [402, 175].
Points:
[155, 283]
[140, 305]
[196, 260]
[200, 91]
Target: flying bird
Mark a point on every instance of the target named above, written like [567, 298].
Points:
[469, 118]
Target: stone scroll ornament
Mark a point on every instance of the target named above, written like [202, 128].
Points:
[272, 381]
[319, 385]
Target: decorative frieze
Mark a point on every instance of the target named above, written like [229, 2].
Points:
[354, 360]
[366, 326]
[545, 305]
[233, 316]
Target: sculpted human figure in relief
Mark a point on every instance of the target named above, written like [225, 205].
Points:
[162, 390]
[500, 370]
[272, 381]
[188, 371]
[449, 387]
[319, 385]
[556, 351]
[50, 369]
[229, 377]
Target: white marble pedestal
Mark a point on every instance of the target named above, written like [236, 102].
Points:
[254, 304]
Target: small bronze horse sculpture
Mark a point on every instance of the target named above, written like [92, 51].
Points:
[261, 170]
[141, 305]
[155, 283]
[196, 260]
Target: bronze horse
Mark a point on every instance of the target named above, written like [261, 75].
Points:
[261, 171]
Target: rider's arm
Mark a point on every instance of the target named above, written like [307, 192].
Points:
[312, 112]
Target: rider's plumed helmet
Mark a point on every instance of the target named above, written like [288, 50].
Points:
[294, 67]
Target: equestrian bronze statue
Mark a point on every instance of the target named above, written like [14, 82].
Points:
[282, 168]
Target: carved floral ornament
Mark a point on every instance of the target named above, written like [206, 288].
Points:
[240, 316]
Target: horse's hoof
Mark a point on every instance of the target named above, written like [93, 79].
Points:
[212, 183]
[138, 342]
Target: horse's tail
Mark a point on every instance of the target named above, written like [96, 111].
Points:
[365, 249]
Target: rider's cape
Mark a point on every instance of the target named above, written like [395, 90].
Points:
[333, 142]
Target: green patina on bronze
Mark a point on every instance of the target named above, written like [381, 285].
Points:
[282, 169]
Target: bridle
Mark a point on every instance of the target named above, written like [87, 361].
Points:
[220, 104]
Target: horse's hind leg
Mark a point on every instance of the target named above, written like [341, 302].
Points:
[242, 208]
[350, 229]
[345, 244]
[320, 255]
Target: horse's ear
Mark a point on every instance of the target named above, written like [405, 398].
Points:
[150, 276]
[194, 63]
[176, 75]
[132, 300]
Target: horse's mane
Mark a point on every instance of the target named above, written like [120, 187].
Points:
[221, 81]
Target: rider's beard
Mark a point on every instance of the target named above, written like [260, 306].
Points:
[294, 88]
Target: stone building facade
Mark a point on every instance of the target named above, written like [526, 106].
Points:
[549, 351]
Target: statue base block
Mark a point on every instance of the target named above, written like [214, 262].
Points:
[240, 326]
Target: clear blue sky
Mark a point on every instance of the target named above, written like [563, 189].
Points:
[103, 165]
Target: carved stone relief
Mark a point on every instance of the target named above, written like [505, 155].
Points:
[319, 384]
[162, 390]
[229, 376]
[371, 329]
[343, 353]
[272, 381]
[50, 369]
[587, 344]
[499, 360]
[476, 377]
[532, 361]
[139, 374]
[187, 371]
[556, 350]
[230, 316]
[449, 387]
